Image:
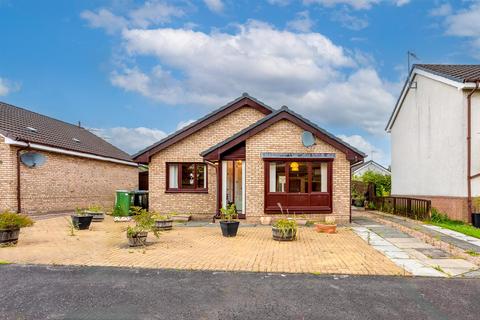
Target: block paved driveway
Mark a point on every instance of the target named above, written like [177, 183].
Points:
[199, 248]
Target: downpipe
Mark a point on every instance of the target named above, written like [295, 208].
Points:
[469, 150]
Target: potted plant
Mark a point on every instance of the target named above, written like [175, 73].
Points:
[329, 226]
[144, 222]
[10, 224]
[228, 223]
[97, 212]
[285, 230]
[163, 222]
[81, 219]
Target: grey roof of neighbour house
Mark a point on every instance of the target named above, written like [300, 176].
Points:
[27, 126]
[272, 115]
[361, 165]
[455, 72]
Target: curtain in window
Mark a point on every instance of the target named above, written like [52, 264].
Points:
[173, 176]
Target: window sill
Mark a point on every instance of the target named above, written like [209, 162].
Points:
[186, 191]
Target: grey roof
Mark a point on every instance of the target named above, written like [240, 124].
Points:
[193, 124]
[361, 165]
[455, 72]
[27, 126]
[266, 118]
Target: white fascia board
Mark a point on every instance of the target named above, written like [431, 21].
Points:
[67, 152]
[406, 88]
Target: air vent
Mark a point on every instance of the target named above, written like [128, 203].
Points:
[76, 140]
[31, 129]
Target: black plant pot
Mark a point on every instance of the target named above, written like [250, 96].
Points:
[81, 222]
[229, 228]
[476, 220]
[9, 236]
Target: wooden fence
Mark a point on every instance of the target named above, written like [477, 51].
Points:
[418, 209]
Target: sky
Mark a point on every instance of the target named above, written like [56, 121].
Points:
[135, 71]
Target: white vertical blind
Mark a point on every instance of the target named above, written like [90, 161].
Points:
[324, 171]
[273, 177]
[173, 176]
[204, 176]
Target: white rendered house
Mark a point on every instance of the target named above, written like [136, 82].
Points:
[435, 137]
[360, 169]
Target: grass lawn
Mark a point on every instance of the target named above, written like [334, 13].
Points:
[458, 226]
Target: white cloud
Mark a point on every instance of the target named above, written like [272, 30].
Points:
[105, 19]
[356, 4]
[183, 124]
[154, 13]
[349, 21]
[464, 23]
[281, 3]
[306, 71]
[302, 22]
[130, 140]
[368, 148]
[214, 5]
[150, 13]
[443, 10]
[7, 87]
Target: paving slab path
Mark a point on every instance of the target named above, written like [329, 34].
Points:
[411, 253]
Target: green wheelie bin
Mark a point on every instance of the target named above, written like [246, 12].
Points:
[123, 201]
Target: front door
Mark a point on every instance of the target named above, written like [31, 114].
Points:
[233, 185]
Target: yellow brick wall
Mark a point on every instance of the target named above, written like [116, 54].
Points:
[8, 177]
[189, 149]
[64, 183]
[285, 136]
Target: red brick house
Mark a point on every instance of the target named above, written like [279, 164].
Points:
[48, 165]
[251, 155]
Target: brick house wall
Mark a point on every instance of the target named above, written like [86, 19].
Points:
[8, 177]
[188, 150]
[63, 182]
[285, 136]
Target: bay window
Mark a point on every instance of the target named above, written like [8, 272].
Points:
[302, 185]
[186, 177]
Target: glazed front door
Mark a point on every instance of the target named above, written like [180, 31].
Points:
[233, 185]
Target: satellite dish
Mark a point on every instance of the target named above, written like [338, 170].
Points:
[32, 159]
[308, 139]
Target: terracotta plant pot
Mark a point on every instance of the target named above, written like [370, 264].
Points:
[326, 228]
[182, 217]
[163, 225]
[278, 235]
[265, 221]
[139, 239]
[9, 236]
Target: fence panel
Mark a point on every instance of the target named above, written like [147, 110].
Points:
[418, 209]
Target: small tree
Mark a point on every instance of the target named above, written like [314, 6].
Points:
[383, 183]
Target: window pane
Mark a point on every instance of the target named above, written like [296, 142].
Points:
[277, 177]
[319, 177]
[173, 176]
[201, 176]
[188, 181]
[298, 177]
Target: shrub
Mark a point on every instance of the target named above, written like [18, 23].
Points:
[144, 222]
[229, 213]
[383, 183]
[10, 220]
[438, 217]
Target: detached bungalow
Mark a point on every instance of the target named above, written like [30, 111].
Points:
[248, 154]
[47, 165]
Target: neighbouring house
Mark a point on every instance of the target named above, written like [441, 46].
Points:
[435, 136]
[248, 154]
[47, 165]
[360, 169]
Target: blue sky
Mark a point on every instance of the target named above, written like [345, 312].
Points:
[135, 71]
